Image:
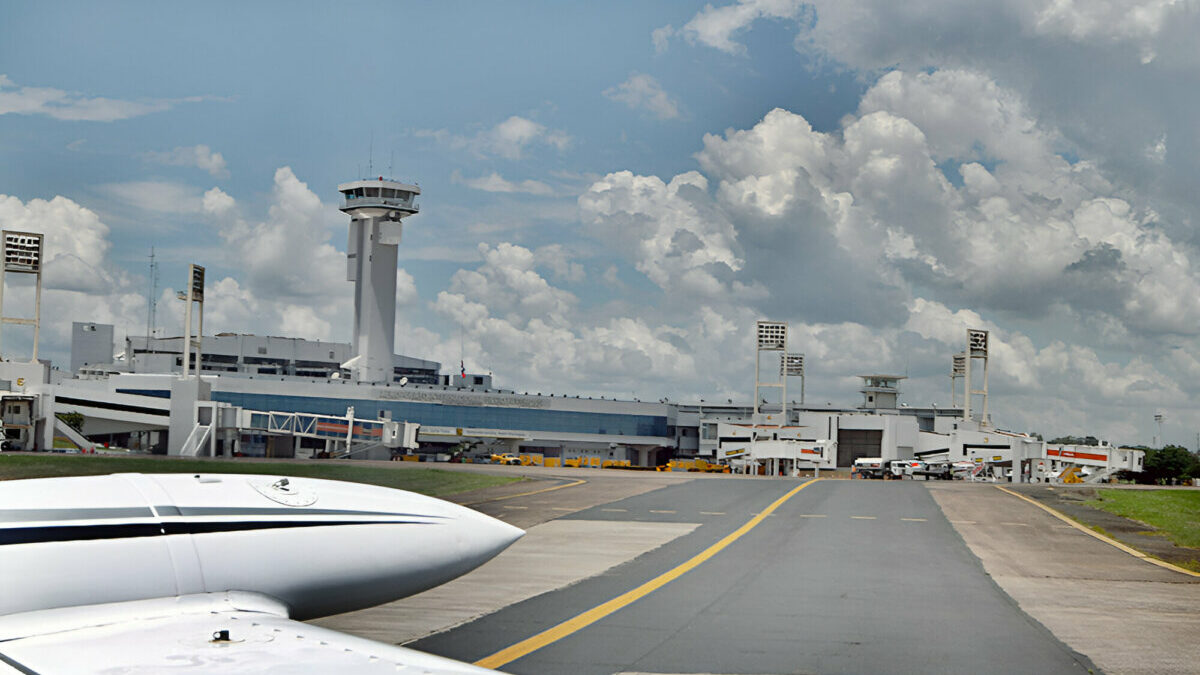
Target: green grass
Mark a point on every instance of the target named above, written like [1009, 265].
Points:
[1175, 513]
[433, 482]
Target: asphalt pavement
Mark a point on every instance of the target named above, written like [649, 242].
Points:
[844, 577]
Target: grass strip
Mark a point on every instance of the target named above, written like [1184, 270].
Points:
[433, 482]
[1175, 513]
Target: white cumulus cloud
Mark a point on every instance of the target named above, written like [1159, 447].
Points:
[74, 106]
[198, 156]
[643, 92]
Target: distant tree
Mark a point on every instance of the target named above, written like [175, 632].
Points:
[1167, 463]
[72, 419]
[1076, 440]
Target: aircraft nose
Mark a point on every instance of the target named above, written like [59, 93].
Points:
[486, 536]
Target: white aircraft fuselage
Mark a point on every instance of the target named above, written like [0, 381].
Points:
[317, 547]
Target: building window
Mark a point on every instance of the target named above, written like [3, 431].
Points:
[262, 350]
[709, 432]
[478, 380]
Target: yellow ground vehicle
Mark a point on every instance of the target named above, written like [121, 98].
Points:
[505, 458]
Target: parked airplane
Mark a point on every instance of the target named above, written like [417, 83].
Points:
[215, 572]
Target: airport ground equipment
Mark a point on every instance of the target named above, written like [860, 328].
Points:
[1071, 475]
[132, 572]
[870, 467]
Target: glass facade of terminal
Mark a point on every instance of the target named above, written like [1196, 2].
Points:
[478, 417]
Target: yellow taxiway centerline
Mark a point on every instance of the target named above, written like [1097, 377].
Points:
[562, 630]
[1108, 540]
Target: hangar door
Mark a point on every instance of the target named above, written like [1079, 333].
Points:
[855, 443]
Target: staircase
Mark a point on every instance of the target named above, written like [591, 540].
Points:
[196, 441]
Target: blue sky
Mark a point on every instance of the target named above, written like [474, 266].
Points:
[609, 201]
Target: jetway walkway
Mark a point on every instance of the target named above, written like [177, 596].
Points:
[353, 435]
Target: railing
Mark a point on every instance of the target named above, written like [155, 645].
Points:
[404, 204]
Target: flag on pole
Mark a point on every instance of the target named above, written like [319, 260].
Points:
[462, 366]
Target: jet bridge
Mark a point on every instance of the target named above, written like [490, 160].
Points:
[344, 435]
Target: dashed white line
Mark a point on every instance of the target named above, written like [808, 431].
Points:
[712, 513]
[812, 515]
[511, 506]
[1013, 523]
[615, 510]
[863, 517]
[914, 520]
[561, 508]
[653, 511]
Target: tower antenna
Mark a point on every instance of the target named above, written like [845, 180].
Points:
[391, 159]
[371, 154]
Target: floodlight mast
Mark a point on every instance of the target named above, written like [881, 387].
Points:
[23, 255]
[977, 349]
[770, 336]
[195, 295]
[376, 208]
[958, 369]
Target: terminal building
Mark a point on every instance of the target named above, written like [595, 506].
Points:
[236, 394]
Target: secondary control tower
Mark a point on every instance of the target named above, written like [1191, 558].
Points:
[376, 208]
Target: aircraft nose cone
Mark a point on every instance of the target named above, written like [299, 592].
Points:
[482, 537]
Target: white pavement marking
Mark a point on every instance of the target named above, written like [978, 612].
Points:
[712, 513]
[914, 520]
[562, 551]
[813, 515]
[514, 507]
[863, 517]
[653, 511]
[562, 508]
[615, 510]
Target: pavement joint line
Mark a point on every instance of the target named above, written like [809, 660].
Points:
[915, 520]
[591, 616]
[863, 517]
[526, 494]
[1108, 540]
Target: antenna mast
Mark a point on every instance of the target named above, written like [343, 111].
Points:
[152, 300]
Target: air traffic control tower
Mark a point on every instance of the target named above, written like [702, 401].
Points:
[376, 208]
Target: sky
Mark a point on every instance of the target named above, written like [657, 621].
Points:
[613, 193]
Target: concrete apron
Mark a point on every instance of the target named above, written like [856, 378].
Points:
[1127, 615]
[550, 556]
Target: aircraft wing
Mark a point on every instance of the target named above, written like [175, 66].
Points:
[184, 635]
